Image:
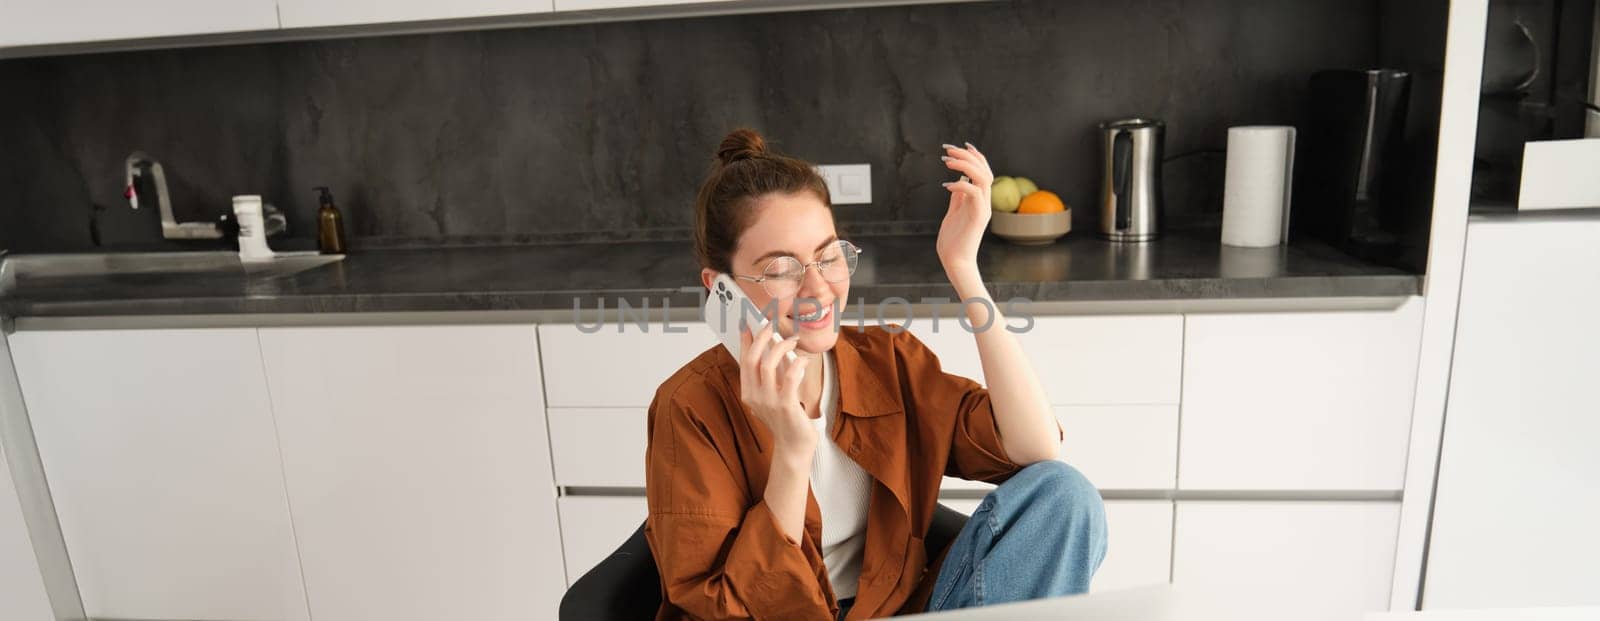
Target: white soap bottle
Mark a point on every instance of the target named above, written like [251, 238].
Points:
[252, 228]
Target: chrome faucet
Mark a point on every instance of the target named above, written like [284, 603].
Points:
[170, 227]
[135, 167]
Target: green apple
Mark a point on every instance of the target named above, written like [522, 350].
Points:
[1005, 194]
[1026, 186]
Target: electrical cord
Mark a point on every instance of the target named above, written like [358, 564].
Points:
[1191, 153]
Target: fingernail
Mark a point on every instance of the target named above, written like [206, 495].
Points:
[948, 146]
[947, 184]
[969, 145]
[945, 158]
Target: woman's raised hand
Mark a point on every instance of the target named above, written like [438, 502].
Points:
[771, 388]
[968, 214]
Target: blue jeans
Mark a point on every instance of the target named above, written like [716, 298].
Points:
[1042, 533]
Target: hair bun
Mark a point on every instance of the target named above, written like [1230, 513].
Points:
[742, 144]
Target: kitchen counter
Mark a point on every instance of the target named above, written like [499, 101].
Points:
[1182, 266]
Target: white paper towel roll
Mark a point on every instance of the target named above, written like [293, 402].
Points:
[1255, 194]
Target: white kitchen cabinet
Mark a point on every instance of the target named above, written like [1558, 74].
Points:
[22, 594]
[418, 470]
[1138, 542]
[313, 13]
[1120, 447]
[1138, 545]
[1114, 382]
[1127, 447]
[1515, 513]
[610, 369]
[36, 22]
[600, 384]
[1081, 360]
[1298, 401]
[1277, 560]
[159, 450]
[596, 5]
[598, 447]
[593, 526]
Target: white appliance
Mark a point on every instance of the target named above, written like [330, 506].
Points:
[1515, 507]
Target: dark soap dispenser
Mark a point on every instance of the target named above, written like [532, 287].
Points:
[330, 225]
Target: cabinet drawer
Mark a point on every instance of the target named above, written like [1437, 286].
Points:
[598, 447]
[1080, 360]
[1138, 545]
[593, 526]
[1299, 400]
[1091, 360]
[604, 447]
[38, 22]
[1117, 447]
[607, 369]
[1139, 551]
[1123, 447]
[1258, 560]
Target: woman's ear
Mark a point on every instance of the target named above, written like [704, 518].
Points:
[706, 276]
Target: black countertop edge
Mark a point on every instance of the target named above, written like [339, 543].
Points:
[1399, 285]
[1183, 266]
[1502, 212]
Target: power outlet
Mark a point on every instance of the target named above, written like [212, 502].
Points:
[848, 184]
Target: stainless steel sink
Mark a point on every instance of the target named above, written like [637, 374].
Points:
[288, 263]
[60, 267]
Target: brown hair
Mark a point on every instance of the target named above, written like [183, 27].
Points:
[743, 172]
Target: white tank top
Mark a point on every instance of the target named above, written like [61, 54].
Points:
[842, 489]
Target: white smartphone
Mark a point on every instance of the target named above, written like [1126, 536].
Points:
[726, 310]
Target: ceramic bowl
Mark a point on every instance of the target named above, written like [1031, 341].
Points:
[1031, 229]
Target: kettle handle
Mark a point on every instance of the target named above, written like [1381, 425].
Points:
[1121, 161]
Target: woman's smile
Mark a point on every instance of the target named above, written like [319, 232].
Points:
[818, 319]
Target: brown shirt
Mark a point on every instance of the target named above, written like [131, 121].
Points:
[719, 549]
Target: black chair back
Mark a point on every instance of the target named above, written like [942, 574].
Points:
[626, 586]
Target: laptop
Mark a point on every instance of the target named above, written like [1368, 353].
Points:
[1152, 603]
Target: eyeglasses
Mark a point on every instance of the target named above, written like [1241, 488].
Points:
[782, 277]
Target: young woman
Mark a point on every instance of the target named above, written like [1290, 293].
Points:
[805, 490]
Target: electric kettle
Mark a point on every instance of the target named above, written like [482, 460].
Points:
[1130, 187]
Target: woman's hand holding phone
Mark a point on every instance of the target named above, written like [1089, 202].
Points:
[770, 387]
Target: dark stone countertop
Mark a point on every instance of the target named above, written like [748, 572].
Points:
[1182, 266]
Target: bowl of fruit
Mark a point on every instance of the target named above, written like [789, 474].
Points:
[1026, 215]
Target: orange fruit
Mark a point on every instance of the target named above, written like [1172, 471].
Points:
[1041, 202]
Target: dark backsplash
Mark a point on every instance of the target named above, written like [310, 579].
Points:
[603, 131]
